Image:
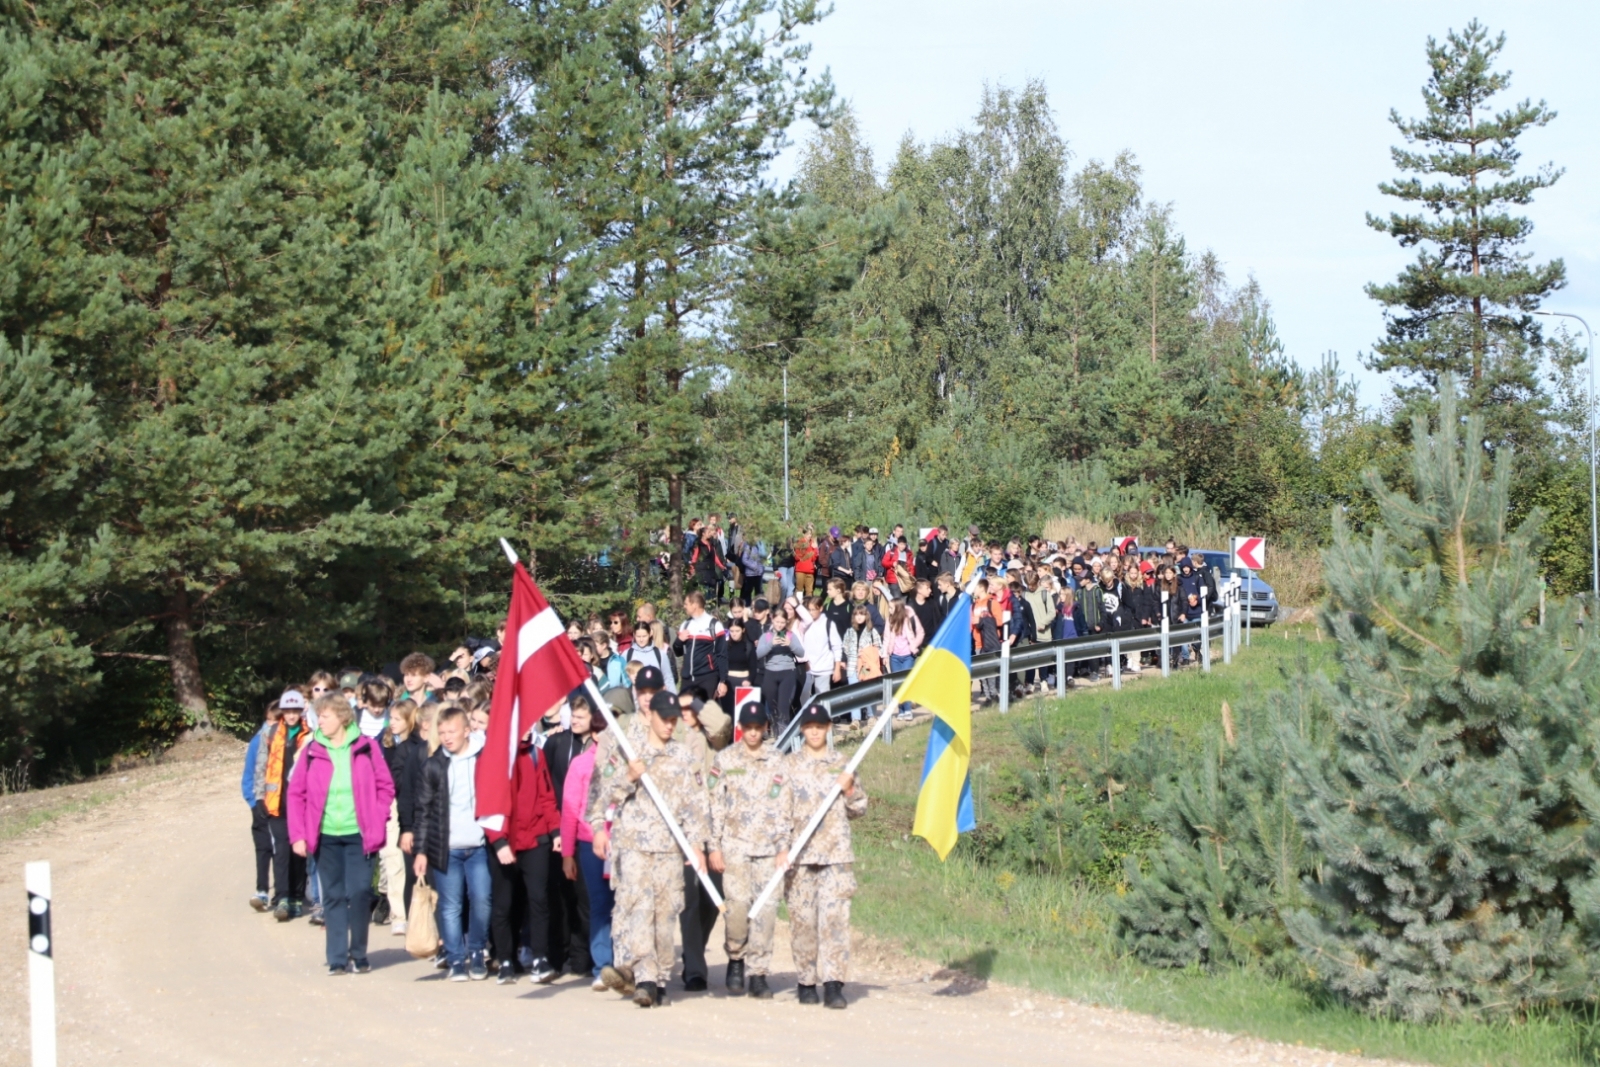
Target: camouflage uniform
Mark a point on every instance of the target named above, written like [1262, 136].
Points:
[748, 828]
[647, 865]
[821, 879]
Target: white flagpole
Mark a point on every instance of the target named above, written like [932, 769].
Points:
[693, 855]
[833, 791]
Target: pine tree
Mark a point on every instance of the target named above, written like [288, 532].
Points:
[1451, 818]
[1465, 306]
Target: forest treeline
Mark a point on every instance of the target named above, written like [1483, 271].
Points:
[303, 306]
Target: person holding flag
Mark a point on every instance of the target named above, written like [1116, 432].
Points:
[747, 832]
[821, 873]
[645, 859]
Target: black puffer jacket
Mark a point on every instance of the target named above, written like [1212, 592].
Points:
[405, 760]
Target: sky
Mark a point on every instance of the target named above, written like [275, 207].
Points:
[1264, 125]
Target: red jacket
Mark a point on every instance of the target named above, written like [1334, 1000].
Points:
[533, 802]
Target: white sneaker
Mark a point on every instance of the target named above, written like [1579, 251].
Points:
[598, 986]
[398, 928]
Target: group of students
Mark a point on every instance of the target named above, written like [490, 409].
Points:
[378, 790]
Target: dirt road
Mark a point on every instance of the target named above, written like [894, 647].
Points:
[161, 962]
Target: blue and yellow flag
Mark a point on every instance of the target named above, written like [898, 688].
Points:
[941, 681]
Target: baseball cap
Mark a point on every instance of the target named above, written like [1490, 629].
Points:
[649, 678]
[872, 530]
[751, 714]
[665, 705]
[292, 700]
[815, 715]
[833, 531]
[351, 678]
[482, 653]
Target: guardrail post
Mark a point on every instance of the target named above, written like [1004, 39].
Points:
[1228, 610]
[1116, 664]
[1061, 672]
[41, 965]
[1166, 638]
[1005, 676]
[1205, 642]
[888, 695]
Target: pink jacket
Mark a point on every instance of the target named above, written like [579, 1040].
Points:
[574, 799]
[370, 782]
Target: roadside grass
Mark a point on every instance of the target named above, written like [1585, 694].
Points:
[1057, 935]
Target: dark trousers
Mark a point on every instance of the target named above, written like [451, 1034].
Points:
[569, 923]
[778, 688]
[699, 915]
[750, 588]
[261, 835]
[346, 873]
[530, 872]
[288, 870]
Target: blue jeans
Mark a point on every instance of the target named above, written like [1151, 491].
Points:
[897, 664]
[464, 886]
[786, 582]
[346, 906]
[601, 900]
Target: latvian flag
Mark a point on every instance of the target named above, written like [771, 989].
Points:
[538, 668]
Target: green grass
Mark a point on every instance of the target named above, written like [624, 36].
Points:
[1056, 935]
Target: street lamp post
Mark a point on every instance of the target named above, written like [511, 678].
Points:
[1594, 497]
[786, 440]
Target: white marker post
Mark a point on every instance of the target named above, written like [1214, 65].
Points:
[41, 965]
[693, 855]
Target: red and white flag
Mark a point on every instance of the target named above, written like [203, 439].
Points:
[538, 668]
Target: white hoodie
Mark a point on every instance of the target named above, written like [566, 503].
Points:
[822, 644]
[464, 829]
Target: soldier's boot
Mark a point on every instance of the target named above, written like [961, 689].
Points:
[618, 979]
[807, 993]
[661, 996]
[645, 995]
[758, 987]
[736, 978]
[833, 995]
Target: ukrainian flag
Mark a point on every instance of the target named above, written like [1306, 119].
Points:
[941, 681]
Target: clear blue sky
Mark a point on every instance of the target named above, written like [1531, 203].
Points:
[1265, 125]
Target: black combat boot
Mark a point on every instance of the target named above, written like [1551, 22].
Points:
[661, 996]
[833, 995]
[644, 994]
[758, 987]
[808, 994]
[736, 978]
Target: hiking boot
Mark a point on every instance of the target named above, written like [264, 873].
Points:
[807, 994]
[735, 979]
[281, 912]
[645, 995]
[506, 975]
[261, 902]
[297, 909]
[360, 967]
[618, 979]
[475, 968]
[661, 996]
[696, 984]
[758, 987]
[833, 995]
[540, 971]
[458, 972]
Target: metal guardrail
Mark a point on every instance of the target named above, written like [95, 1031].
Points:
[852, 700]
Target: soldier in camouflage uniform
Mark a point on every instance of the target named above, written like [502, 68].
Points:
[821, 879]
[646, 863]
[747, 833]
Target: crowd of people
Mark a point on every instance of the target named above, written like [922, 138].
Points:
[362, 784]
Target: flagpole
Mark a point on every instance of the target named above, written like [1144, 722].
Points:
[693, 855]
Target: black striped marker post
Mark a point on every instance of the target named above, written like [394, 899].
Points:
[41, 965]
